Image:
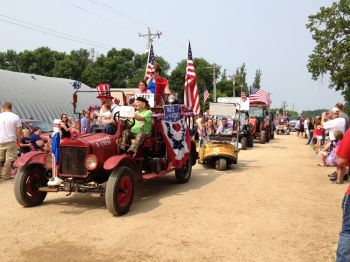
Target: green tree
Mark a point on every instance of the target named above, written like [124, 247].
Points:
[9, 61]
[257, 79]
[204, 77]
[224, 88]
[239, 80]
[330, 28]
[45, 60]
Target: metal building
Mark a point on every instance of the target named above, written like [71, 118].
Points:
[41, 97]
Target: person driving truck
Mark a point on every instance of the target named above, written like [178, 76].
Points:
[142, 127]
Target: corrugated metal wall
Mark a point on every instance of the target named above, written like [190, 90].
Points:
[40, 97]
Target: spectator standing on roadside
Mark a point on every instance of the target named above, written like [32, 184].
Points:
[297, 126]
[306, 129]
[301, 128]
[310, 128]
[335, 123]
[343, 115]
[343, 160]
[10, 138]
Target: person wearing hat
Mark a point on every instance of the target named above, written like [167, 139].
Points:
[343, 115]
[142, 127]
[335, 123]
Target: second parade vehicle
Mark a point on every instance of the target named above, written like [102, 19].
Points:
[95, 163]
[221, 148]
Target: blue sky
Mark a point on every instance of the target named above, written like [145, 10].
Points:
[269, 35]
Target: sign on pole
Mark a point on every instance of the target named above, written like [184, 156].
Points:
[172, 113]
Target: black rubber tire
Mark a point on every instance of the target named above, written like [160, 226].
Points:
[27, 182]
[251, 141]
[288, 132]
[262, 138]
[221, 164]
[268, 135]
[244, 143]
[183, 174]
[121, 176]
[273, 135]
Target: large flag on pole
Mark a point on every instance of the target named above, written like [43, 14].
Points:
[150, 62]
[191, 97]
[259, 95]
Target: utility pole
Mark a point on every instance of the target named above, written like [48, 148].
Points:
[284, 105]
[213, 67]
[92, 54]
[150, 37]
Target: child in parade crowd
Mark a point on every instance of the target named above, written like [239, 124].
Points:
[25, 145]
[326, 156]
[318, 133]
[74, 131]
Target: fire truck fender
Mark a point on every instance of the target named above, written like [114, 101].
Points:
[31, 157]
[114, 161]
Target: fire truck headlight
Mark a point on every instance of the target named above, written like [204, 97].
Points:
[171, 99]
[91, 162]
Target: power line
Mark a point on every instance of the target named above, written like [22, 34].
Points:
[52, 34]
[106, 6]
[100, 3]
[99, 16]
[64, 34]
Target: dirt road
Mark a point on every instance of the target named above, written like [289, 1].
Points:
[275, 205]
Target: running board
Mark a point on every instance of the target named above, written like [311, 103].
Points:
[48, 189]
[150, 176]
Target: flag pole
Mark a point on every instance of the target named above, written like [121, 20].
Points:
[149, 52]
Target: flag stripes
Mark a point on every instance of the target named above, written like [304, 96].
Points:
[150, 62]
[191, 97]
[259, 95]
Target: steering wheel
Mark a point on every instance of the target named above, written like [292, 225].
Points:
[131, 122]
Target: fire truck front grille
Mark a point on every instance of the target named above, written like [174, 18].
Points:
[72, 160]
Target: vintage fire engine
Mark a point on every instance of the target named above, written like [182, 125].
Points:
[95, 162]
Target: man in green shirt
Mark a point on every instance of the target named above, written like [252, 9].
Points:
[142, 127]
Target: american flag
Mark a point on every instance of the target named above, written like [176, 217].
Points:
[243, 96]
[150, 62]
[206, 95]
[191, 97]
[258, 95]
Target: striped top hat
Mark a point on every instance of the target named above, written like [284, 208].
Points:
[104, 91]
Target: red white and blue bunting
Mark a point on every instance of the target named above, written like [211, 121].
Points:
[178, 140]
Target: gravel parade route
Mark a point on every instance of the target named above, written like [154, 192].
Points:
[275, 205]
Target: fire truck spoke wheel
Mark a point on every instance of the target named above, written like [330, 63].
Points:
[120, 190]
[27, 183]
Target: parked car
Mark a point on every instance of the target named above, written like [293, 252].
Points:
[292, 122]
[45, 127]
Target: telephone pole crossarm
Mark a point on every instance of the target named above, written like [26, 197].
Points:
[150, 37]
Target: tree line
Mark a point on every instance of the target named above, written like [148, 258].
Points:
[330, 28]
[122, 69]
